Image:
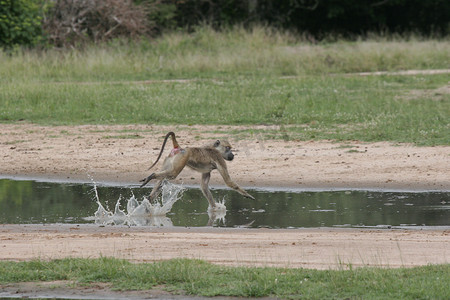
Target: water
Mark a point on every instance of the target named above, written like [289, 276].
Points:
[32, 202]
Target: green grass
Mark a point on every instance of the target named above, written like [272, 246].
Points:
[238, 77]
[210, 54]
[316, 107]
[194, 277]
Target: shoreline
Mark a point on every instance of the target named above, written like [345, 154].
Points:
[269, 188]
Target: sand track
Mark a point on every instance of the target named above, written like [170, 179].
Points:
[321, 248]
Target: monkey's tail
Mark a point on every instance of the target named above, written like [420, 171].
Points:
[175, 145]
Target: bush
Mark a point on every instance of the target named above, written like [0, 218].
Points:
[72, 22]
[20, 22]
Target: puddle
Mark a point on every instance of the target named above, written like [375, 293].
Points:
[33, 202]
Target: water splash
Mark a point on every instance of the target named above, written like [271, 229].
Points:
[217, 214]
[101, 213]
[139, 213]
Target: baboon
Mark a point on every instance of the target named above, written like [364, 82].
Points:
[201, 159]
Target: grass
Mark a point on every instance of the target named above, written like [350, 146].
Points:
[325, 107]
[238, 77]
[210, 54]
[195, 277]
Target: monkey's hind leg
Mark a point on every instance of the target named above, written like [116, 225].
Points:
[147, 179]
[156, 191]
[172, 166]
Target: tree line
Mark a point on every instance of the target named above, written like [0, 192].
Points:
[63, 23]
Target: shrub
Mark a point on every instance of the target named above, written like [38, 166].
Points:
[76, 21]
[20, 22]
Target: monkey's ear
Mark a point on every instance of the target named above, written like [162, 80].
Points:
[216, 143]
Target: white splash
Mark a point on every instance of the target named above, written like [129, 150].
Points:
[139, 213]
[217, 214]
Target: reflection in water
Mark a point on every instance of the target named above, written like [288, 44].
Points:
[41, 202]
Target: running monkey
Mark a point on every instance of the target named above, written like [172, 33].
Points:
[201, 159]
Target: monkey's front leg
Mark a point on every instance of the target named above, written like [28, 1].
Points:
[205, 189]
[241, 191]
[226, 177]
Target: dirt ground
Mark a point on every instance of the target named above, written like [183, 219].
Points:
[122, 154]
[316, 248]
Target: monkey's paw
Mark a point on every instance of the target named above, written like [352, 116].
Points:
[146, 180]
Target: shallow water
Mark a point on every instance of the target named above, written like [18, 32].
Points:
[32, 202]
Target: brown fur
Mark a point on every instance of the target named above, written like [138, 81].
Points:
[201, 159]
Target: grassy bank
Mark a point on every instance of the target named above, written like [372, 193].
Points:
[210, 54]
[239, 77]
[195, 277]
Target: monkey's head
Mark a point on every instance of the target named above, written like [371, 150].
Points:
[224, 147]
